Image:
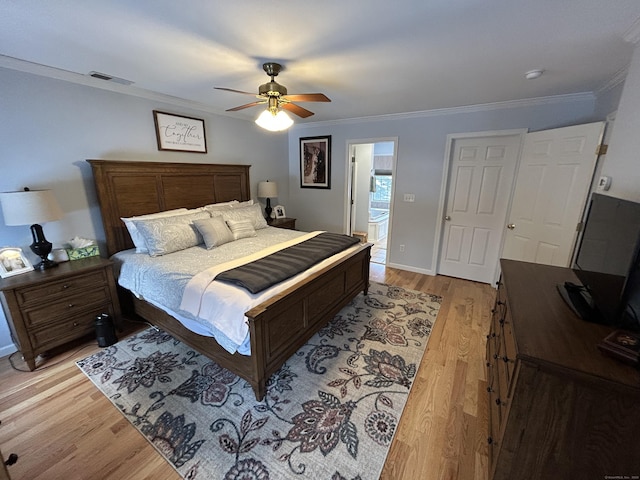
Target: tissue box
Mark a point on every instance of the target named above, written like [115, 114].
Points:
[84, 252]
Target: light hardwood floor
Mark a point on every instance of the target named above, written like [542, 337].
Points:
[62, 427]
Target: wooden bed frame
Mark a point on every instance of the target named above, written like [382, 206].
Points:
[279, 326]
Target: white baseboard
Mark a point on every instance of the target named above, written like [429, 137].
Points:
[411, 269]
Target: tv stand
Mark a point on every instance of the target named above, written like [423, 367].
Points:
[558, 407]
[578, 299]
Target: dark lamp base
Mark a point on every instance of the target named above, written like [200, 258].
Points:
[45, 264]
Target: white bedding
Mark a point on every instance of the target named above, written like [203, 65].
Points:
[208, 307]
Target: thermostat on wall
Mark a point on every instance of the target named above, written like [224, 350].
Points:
[604, 183]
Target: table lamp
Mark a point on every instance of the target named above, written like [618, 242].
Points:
[32, 207]
[268, 190]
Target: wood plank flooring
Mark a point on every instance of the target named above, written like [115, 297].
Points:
[62, 427]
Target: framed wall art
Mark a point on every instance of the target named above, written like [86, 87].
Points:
[13, 262]
[315, 162]
[179, 133]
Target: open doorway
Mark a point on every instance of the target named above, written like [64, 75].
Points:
[371, 170]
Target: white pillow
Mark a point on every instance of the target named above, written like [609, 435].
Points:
[170, 234]
[241, 229]
[214, 231]
[252, 212]
[138, 239]
[242, 204]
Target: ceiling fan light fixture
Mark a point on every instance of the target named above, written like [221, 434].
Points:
[274, 121]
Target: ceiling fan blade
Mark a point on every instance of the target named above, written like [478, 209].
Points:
[242, 107]
[307, 97]
[296, 109]
[235, 91]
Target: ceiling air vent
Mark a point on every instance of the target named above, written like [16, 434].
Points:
[110, 78]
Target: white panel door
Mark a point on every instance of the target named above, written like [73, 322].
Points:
[481, 175]
[551, 190]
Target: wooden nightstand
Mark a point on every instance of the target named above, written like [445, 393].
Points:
[289, 223]
[49, 308]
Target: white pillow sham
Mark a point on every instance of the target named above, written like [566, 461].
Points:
[252, 213]
[138, 239]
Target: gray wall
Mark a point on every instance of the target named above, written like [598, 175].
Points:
[50, 127]
[419, 169]
[622, 162]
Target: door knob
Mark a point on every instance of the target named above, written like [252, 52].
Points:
[511, 226]
[447, 218]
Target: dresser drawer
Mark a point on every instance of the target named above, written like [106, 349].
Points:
[67, 329]
[66, 307]
[67, 287]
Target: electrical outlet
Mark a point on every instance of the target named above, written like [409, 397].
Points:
[409, 197]
[402, 248]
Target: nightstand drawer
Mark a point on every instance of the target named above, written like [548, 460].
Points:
[66, 307]
[67, 329]
[67, 287]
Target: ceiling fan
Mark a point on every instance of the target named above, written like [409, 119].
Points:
[275, 96]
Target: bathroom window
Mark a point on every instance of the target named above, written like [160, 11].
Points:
[381, 197]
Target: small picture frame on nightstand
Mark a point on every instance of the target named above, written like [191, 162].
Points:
[13, 262]
[279, 211]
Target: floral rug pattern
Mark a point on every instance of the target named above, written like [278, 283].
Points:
[330, 412]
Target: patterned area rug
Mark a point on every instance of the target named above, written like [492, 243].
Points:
[330, 412]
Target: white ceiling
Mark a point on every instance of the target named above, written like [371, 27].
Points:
[371, 57]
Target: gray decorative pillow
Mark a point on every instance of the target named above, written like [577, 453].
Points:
[214, 231]
[170, 234]
[241, 228]
[251, 212]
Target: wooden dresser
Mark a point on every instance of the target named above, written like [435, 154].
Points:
[49, 308]
[558, 407]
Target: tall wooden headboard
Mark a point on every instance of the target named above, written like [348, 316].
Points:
[128, 188]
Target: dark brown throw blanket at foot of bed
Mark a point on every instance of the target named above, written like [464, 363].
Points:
[265, 272]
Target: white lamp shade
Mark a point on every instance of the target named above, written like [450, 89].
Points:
[267, 189]
[274, 123]
[29, 207]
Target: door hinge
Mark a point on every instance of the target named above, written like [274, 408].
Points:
[579, 227]
[602, 149]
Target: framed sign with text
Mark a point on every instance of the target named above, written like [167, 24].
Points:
[180, 133]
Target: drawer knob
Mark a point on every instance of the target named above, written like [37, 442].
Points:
[13, 458]
[489, 440]
[505, 359]
[64, 287]
[71, 305]
[75, 324]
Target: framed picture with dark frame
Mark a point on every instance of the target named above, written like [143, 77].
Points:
[180, 133]
[315, 162]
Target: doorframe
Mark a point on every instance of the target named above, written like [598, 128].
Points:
[347, 206]
[451, 138]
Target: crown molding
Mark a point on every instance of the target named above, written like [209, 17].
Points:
[618, 78]
[632, 35]
[527, 102]
[86, 80]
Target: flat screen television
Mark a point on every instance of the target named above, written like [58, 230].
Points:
[607, 264]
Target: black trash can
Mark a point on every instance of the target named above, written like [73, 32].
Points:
[105, 330]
